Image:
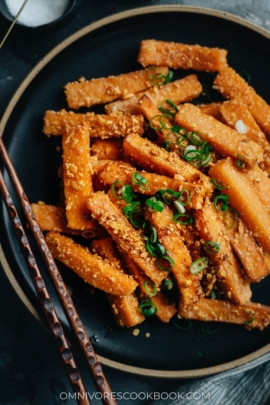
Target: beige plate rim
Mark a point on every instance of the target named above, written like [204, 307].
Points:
[44, 61]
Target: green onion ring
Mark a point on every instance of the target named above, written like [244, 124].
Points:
[199, 265]
[147, 307]
[224, 202]
[211, 247]
[153, 287]
[167, 259]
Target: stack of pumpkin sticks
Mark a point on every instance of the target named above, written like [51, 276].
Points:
[174, 195]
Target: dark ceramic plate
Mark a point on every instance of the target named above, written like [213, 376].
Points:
[110, 47]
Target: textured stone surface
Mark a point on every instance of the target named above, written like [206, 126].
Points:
[29, 376]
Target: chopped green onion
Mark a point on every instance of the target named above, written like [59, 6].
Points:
[133, 207]
[213, 295]
[175, 194]
[167, 145]
[153, 287]
[184, 197]
[154, 204]
[170, 112]
[176, 128]
[252, 318]
[147, 307]
[245, 75]
[231, 218]
[180, 208]
[200, 354]
[182, 141]
[172, 104]
[206, 330]
[182, 327]
[155, 249]
[168, 78]
[157, 78]
[206, 155]
[199, 265]
[139, 180]
[163, 122]
[170, 291]
[222, 199]
[167, 284]
[240, 163]
[217, 184]
[115, 192]
[195, 138]
[167, 261]
[191, 154]
[212, 247]
[183, 219]
[165, 111]
[153, 236]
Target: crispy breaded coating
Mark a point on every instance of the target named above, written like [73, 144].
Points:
[86, 93]
[124, 307]
[244, 200]
[229, 275]
[211, 109]
[53, 218]
[170, 237]
[155, 159]
[165, 311]
[126, 310]
[260, 184]
[98, 125]
[179, 91]
[122, 232]
[155, 181]
[250, 314]
[226, 141]
[248, 252]
[109, 149]
[77, 172]
[183, 56]
[231, 84]
[91, 268]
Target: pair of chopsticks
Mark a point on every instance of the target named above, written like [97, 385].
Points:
[76, 324]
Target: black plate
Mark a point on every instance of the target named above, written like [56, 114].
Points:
[110, 47]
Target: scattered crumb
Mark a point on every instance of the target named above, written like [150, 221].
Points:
[147, 335]
[136, 332]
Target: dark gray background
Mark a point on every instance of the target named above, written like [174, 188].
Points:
[31, 371]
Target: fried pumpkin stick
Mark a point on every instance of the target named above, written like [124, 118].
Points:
[179, 91]
[251, 315]
[244, 200]
[122, 232]
[165, 311]
[155, 159]
[170, 237]
[209, 227]
[98, 125]
[86, 93]
[231, 84]
[125, 307]
[177, 55]
[248, 251]
[91, 268]
[234, 112]
[77, 177]
[115, 170]
[226, 141]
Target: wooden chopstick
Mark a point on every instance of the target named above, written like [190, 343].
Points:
[99, 378]
[44, 298]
